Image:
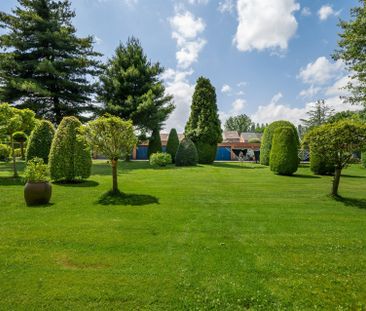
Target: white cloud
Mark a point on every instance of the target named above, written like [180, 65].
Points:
[326, 11]
[242, 84]
[321, 71]
[237, 107]
[185, 30]
[98, 40]
[226, 88]
[226, 6]
[337, 89]
[305, 11]
[197, 1]
[310, 92]
[265, 24]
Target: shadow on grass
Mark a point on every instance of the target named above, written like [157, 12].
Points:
[237, 165]
[77, 184]
[11, 181]
[120, 198]
[305, 176]
[353, 176]
[360, 203]
[41, 205]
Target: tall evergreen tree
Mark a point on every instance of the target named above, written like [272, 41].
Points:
[203, 126]
[131, 88]
[44, 66]
[173, 143]
[319, 115]
[154, 143]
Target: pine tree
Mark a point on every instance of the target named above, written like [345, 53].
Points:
[319, 115]
[45, 66]
[203, 126]
[131, 88]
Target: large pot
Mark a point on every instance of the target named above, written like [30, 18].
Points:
[37, 193]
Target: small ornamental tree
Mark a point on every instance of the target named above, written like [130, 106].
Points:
[319, 164]
[112, 137]
[187, 154]
[20, 137]
[70, 157]
[337, 142]
[283, 158]
[154, 143]
[40, 140]
[266, 144]
[172, 144]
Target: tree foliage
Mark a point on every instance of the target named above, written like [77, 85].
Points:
[45, 66]
[241, 123]
[320, 164]
[187, 154]
[203, 126]
[173, 143]
[132, 89]
[70, 156]
[319, 115]
[154, 143]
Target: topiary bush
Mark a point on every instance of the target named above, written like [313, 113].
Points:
[206, 152]
[21, 138]
[154, 143]
[268, 137]
[319, 164]
[40, 140]
[160, 159]
[70, 156]
[5, 151]
[283, 157]
[186, 154]
[172, 144]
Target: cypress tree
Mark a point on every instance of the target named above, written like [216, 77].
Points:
[154, 143]
[203, 126]
[172, 144]
[45, 66]
[283, 158]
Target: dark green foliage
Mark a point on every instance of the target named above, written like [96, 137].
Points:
[44, 66]
[160, 159]
[319, 164]
[241, 123]
[186, 154]
[266, 144]
[70, 157]
[131, 88]
[203, 126]
[283, 157]
[154, 143]
[363, 159]
[172, 144]
[5, 151]
[20, 137]
[40, 140]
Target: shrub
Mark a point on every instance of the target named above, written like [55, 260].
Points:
[363, 159]
[5, 151]
[172, 144]
[40, 140]
[36, 171]
[70, 157]
[186, 154]
[17, 152]
[206, 152]
[319, 164]
[160, 159]
[154, 143]
[268, 137]
[254, 141]
[283, 157]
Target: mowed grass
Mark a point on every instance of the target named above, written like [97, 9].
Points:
[223, 237]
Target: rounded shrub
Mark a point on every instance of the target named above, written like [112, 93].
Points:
[70, 156]
[154, 143]
[160, 159]
[17, 152]
[363, 159]
[5, 152]
[186, 154]
[173, 143]
[319, 164]
[21, 138]
[283, 157]
[206, 152]
[267, 138]
[40, 140]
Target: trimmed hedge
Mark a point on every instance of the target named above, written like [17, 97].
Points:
[206, 152]
[70, 157]
[319, 164]
[154, 143]
[40, 140]
[283, 158]
[268, 137]
[363, 159]
[172, 144]
[5, 152]
[186, 154]
[160, 159]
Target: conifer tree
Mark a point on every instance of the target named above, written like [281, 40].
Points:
[44, 66]
[172, 144]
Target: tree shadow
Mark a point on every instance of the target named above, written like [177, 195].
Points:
[40, 205]
[77, 184]
[353, 176]
[120, 198]
[237, 165]
[360, 203]
[11, 181]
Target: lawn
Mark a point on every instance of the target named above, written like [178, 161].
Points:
[226, 237]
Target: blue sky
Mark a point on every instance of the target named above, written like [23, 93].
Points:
[270, 59]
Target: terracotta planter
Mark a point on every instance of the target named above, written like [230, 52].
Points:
[37, 193]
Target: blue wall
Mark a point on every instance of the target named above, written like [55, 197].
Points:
[223, 154]
[141, 153]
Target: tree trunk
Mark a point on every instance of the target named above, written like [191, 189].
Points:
[15, 174]
[337, 177]
[114, 175]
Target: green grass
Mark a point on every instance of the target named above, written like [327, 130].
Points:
[224, 237]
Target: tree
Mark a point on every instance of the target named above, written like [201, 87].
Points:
[266, 144]
[45, 66]
[154, 143]
[14, 120]
[20, 137]
[172, 144]
[112, 137]
[40, 140]
[203, 126]
[70, 156]
[131, 88]
[352, 52]
[337, 142]
[284, 158]
[241, 123]
[320, 114]
[187, 154]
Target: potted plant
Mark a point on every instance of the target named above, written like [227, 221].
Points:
[37, 190]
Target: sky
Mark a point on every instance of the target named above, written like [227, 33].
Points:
[269, 59]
